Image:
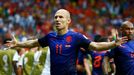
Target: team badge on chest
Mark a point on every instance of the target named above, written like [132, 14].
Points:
[69, 39]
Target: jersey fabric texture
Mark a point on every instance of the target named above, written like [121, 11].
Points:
[123, 58]
[64, 50]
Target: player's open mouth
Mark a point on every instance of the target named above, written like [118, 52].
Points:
[57, 24]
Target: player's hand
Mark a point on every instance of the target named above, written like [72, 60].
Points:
[121, 40]
[13, 42]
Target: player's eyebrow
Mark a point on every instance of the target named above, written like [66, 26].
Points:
[58, 16]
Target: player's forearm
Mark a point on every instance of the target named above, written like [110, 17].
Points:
[87, 68]
[112, 66]
[106, 45]
[88, 72]
[105, 65]
[29, 43]
[102, 45]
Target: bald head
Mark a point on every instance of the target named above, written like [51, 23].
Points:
[65, 12]
[62, 20]
[127, 24]
[127, 29]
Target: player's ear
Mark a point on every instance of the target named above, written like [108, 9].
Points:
[69, 20]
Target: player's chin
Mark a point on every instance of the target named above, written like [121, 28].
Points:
[58, 28]
[130, 36]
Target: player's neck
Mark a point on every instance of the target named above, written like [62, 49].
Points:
[62, 31]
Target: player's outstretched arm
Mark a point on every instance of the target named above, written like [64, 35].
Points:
[29, 43]
[107, 45]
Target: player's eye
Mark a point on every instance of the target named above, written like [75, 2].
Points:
[55, 17]
[60, 16]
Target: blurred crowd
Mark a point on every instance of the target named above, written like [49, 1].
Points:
[34, 18]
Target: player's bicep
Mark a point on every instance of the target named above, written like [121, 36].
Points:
[30, 43]
[92, 46]
[36, 43]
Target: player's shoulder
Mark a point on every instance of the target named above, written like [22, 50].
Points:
[52, 33]
[74, 33]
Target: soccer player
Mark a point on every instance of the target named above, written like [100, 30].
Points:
[64, 44]
[123, 55]
[96, 58]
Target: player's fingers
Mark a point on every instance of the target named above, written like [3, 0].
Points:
[14, 39]
[9, 41]
[117, 36]
[124, 38]
[121, 40]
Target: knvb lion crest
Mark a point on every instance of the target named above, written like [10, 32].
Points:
[68, 39]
